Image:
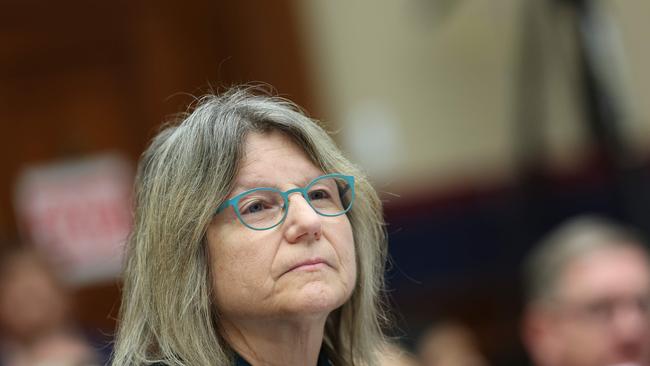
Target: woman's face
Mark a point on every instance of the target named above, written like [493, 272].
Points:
[304, 267]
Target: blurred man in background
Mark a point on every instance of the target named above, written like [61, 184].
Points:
[588, 297]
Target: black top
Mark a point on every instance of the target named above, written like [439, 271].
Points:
[322, 360]
[239, 360]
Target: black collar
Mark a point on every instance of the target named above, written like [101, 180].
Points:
[322, 360]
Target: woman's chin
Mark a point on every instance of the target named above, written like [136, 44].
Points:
[316, 299]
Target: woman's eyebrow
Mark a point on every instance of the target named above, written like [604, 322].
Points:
[260, 182]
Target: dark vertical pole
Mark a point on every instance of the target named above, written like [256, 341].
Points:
[530, 116]
[604, 116]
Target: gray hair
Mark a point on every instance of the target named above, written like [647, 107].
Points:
[167, 313]
[573, 239]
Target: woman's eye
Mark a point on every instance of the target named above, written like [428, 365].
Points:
[252, 207]
[318, 195]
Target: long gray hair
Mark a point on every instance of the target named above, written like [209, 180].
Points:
[167, 312]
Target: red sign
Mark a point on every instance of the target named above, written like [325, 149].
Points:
[78, 213]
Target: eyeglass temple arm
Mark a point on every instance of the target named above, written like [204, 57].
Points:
[345, 190]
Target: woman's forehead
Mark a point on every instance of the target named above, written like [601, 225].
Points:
[273, 158]
[263, 143]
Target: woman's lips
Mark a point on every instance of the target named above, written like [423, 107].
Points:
[309, 265]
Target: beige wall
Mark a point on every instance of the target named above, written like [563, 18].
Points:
[634, 31]
[431, 98]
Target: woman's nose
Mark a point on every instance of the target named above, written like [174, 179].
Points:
[302, 223]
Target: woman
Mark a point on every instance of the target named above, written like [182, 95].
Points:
[255, 242]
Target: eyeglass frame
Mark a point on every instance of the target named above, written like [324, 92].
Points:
[304, 192]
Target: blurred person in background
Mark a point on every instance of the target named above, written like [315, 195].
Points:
[449, 344]
[256, 242]
[35, 315]
[394, 355]
[588, 287]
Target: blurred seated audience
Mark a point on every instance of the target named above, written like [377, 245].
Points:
[35, 315]
[588, 293]
[449, 344]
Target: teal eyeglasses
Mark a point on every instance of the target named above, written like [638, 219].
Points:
[265, 208]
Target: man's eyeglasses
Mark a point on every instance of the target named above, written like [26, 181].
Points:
[266, 208]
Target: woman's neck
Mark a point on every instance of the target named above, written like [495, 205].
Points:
[276, 342]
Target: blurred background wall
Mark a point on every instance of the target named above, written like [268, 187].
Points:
[481, 122]
[442, 76]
